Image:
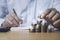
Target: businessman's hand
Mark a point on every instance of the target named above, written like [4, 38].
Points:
[11, 20]
[52, 16]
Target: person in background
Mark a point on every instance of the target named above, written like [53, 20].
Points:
[29, 10]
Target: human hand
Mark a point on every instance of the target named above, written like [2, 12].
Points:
[12, 20]
[52, 16]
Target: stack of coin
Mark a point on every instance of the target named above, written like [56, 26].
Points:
[44, 26]
[38, 27]
[41, 26]
[33, 28]
[50, 28]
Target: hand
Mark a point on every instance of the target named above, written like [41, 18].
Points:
[52, 16]
[11, 20]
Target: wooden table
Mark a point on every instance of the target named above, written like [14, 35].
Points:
[26, 35]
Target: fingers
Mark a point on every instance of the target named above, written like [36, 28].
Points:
[6, 24]
[11, 20]
[52, 13]
[56, 17]
[57, 23]
[52, 16]
[15, 17]
[48, 20]
[46, 13]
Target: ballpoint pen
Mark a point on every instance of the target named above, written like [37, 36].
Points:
[14, 11]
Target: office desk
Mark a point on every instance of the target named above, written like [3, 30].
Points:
[26, 35]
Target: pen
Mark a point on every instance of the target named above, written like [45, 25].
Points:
[14, 11]
[16, 14]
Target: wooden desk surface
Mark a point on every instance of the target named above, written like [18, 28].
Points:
[25, 35]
